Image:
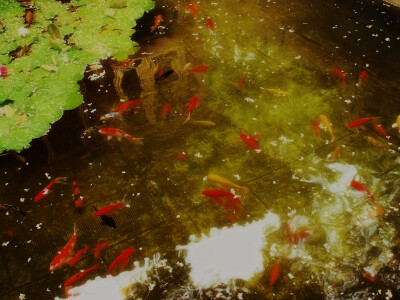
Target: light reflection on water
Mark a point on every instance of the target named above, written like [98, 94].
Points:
[276, 46]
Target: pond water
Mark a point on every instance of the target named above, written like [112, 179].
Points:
[306, 199]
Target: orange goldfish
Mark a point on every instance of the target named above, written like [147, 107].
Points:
[65, 255]
[119, 134]
[98, 249]
[109, 210]
[77, 256]
[193, 9]
[79, 276]
[157, 21]
[274, 275]
[47, 190]
[121, 261]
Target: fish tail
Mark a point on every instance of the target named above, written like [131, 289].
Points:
[22, 212]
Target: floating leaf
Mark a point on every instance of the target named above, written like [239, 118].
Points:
[50, 56]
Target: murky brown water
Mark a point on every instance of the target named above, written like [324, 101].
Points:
[291, 47]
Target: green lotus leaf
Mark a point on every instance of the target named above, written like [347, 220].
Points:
[57, 47]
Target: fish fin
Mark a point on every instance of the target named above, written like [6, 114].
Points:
[187, 119]
[109, 137]
[138, 141]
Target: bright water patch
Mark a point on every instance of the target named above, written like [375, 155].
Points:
[229, 253]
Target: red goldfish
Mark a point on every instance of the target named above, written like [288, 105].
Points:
[157, 22]
[315, 125]
[99, 248]
[182, 156]
[274, 275]
[360, 187]
[126, 107]
[339, 76]
[193, 9]
[3, 71]
[224, 198]
[166, 109]
[369, 277]
[192, 105]
[79, 276]
[210, 24]
[374, 142]
[363, 76]
[241, 82]
[77, 196]
[65, 255]
[295, 238]
[121, 261]
[359, 122]
[379, 129]
[251, 141]
[199, 69]
[43, 193]
[77, 256]
[119, 134]
[109, 210]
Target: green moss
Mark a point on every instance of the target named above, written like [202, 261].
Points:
[43, 81]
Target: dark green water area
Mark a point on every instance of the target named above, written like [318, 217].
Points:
[287, 76]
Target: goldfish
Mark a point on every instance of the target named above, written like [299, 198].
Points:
[377, 212]
[191, 106]
[276, 92]
[3, 71]
[204, 123]
[77, 195]
[119, 134]
[359, 122]
[157, 21]
[218, 180]
[295, 238]
[199, 69]
[363, 76]
[368, 277]
[79, 276]
[360, 187]
[107, 220]
[336, 152]
[109, 210]
[339, 76]
[374, 142]
[98, 249]
[315, 126]
[241, 82]
[129, 105]
[164, 75]
[10, 234]
[326, 123]
[47, 190]
[379, 129]
[224, 198]
[193, 9]
[274, 275]
[65, 255]
[210, 24]
[182, 156]
[77, 256]
[250, 141]
[112, 115]
[121, 261]
[166, 108]
[15, 209]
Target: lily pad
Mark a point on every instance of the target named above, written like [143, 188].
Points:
[42, 79]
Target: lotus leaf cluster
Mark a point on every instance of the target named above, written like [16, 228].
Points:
[43, 55]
